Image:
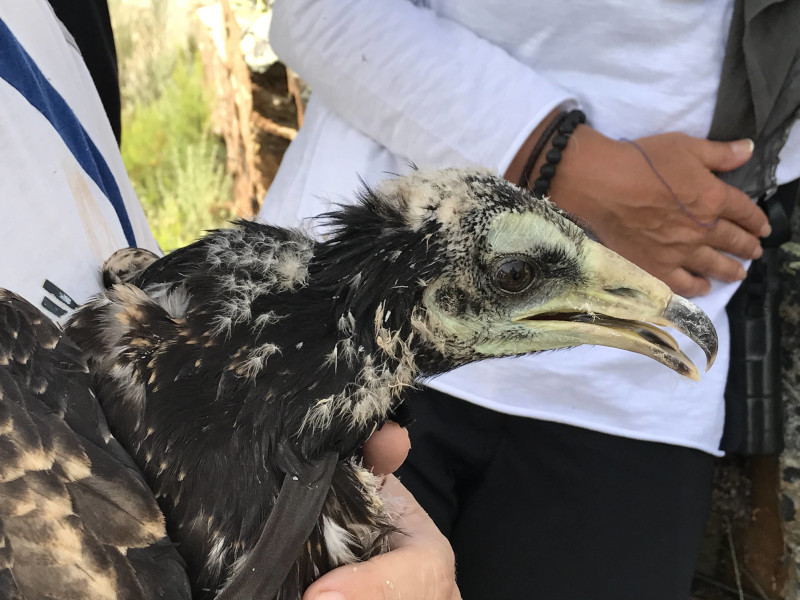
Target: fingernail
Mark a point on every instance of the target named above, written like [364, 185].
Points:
[741, 274]
[743, 147]
[758, 252]
[766, 230]
[329, 596]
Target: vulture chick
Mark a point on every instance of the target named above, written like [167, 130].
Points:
[228, 365]
[77, 519]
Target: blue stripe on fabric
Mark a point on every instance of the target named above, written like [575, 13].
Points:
[19, 70]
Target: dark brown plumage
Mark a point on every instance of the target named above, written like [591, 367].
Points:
[227, 366]
[235, 367]
[77, 520]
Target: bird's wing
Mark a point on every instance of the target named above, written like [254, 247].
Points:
[76, 517]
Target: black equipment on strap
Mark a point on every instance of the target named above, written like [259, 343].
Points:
[753, 403]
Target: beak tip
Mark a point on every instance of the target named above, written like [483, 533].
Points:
[692, 321]
[689, 370]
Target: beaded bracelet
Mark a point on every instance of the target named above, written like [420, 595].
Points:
[565, 128]
[525, 178]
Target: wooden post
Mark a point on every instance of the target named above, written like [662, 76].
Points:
[218, 38]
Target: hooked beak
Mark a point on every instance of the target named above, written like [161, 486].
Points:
[621, 306]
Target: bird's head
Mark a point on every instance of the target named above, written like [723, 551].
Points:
[465, 266]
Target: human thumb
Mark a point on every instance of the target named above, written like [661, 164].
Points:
[726, 156]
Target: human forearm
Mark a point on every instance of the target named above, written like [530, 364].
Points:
[421, 85]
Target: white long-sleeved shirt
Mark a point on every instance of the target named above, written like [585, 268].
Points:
[67, 203]
[464, 82]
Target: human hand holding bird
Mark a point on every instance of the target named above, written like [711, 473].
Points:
[421, 563]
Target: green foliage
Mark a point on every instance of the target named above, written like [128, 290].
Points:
[176, 165]
[192, 193]
[154, 131]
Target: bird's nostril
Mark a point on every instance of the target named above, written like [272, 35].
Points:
[625, 292]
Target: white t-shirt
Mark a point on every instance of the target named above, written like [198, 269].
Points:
[67, 203]
[464, 83]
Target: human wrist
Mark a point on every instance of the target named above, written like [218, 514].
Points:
[517, 164]
[557, 136]
[587, 171]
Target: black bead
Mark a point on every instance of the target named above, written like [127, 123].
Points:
[566, 126]
[576, 116]
[553, 156]
[571, 121]
[547, 171]
[540, 188]
[560, 141]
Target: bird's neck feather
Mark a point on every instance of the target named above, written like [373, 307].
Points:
[337, 374]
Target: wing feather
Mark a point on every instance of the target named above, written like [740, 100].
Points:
[76, 517]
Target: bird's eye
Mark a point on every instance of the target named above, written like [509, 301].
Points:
[513, 275]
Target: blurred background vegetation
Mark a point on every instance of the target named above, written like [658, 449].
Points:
[175, 161]
[184, 156]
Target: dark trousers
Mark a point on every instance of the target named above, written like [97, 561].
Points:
[539, 510]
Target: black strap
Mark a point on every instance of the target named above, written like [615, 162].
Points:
[753, 394]
[779, 208]
[288, 527]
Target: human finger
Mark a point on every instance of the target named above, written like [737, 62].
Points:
[399, 574]
[687, 284]
[729, 237]
[723, 156]
[422, 564]
[387, 448]
[739, 208]
[712, 264]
